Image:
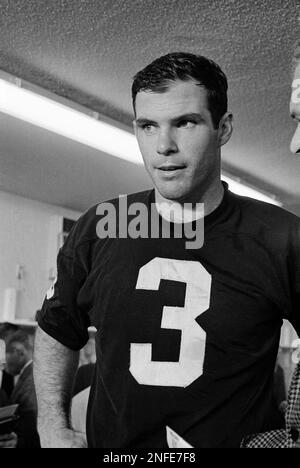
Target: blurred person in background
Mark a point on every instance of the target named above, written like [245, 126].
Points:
[19, 349]
[6, 380]
[8, 440]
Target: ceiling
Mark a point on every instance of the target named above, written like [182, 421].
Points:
[88, 51]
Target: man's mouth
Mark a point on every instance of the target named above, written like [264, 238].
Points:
[170, 167]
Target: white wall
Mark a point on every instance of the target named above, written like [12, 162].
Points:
[26, 238]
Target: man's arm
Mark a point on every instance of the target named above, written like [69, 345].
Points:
[54, 370]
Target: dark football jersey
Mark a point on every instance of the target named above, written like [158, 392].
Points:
[186, 338]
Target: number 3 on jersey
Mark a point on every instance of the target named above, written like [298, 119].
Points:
[192, 347]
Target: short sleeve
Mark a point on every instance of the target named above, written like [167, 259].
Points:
[60, 316]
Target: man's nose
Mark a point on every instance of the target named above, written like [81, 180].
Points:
[295, 143]
[166, 143]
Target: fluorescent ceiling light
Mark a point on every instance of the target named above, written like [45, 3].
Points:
[241, 189]
[63, 120]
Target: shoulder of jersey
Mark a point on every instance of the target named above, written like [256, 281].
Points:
[85, 227]
[262, 215]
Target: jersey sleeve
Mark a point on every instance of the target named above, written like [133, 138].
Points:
[61, 316]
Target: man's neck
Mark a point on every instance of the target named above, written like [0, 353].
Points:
[206, 204]
[213, 197]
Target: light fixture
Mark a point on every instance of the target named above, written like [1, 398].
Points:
[240, 188]
[63, 120]
[59, 118]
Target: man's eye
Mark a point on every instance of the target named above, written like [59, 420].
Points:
[148, 128]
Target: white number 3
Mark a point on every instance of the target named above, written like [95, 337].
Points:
[192, 347]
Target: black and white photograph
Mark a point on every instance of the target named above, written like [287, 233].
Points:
[149, 226]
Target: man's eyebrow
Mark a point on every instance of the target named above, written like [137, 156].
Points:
[188, 116]
[143, 121]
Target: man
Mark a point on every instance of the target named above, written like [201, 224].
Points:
[295, 99]
[6, 383]
[289, 436]
[186, 337]
[6, 380]
[9, 439]
[3, 395]
[19, 350]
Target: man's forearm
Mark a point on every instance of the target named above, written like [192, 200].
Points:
[54, 369]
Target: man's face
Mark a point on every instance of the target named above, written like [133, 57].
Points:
[178, 141]
[14, 359]
[295, 110]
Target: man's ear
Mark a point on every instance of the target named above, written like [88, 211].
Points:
[225, 128]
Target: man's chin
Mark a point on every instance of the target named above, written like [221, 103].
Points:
[171, 193]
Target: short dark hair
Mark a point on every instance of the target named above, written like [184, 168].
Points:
[7, 329]
[22, 337]
[162, 72]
